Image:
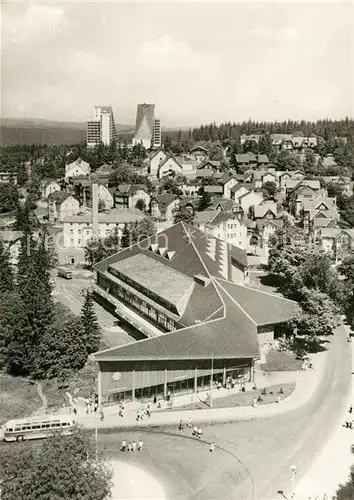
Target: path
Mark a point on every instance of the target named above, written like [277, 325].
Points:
[42, 396]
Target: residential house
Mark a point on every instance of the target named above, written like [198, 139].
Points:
[337, 242]
[328, 161]
[77, 167]
[213, 190]
[227, 181]
[223, 225]
[204, 173]
[128, 195]
[266, 229]
[169, 166]
[103, 173]
[199, 153]
[62, 204]
[250, 199]
[266, 210]
[226, 205]
[319, 207]
[246, 160]
[292, 175]
[191, 188]
[209, 165]
[78, 231]
[282, 141]
[260, 177]
[105, 196]
[156, 159]
[237, 191]
[163, 206]
[263, 161]
[48, 186]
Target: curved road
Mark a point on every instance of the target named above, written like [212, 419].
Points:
[252, 459]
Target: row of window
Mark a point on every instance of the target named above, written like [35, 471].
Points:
[38, 425]
[142, 306]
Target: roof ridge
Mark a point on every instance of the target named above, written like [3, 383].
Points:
[196, 325]
[204, 265]
[237, 304]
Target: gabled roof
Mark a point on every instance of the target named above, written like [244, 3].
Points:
[276, 223]
[199, 148]
[164, 200]
[219, 320]
[205, 217]
[263, 208]
[60, 196]
[264, 308]
[130, 189]
[237, 187]
[80, 163]
[47, 182]
[263, 159]
[158, 150]
[170, 157]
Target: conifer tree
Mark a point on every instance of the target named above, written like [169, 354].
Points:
[92, 332]
[6, 273]
[125, 239]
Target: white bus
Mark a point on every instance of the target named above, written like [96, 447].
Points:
[38, 427]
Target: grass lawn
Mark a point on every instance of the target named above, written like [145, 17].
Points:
[241, 398]
[80, 384]
[18, 398]
[280, 361]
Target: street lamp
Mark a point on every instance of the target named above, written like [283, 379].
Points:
[293, 470]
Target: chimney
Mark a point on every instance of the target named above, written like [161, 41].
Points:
[94, 187]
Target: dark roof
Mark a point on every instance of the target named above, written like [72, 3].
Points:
[164, 200]
[232, 336]
[59, 196]
[129, 189]
[238, 255]
[264, 308]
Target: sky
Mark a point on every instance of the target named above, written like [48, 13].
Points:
[198, 62]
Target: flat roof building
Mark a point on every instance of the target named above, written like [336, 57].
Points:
[179, 289]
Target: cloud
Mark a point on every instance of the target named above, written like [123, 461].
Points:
[35, 25]
[283, 33]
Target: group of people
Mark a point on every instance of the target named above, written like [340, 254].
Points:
[91, 404]
[133, 446]
[144, 410]
[349, 421]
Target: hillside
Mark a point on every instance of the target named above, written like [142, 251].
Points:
[20, 131]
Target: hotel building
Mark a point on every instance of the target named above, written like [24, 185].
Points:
[101, 129]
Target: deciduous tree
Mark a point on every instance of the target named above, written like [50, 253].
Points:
[61, 467]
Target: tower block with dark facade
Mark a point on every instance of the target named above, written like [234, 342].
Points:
[184, 291]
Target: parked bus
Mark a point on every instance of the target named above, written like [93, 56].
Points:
[64, 273]
[38, 427]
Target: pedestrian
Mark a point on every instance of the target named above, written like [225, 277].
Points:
[123, 405]
[124, 445]
[74, 411]
[254, 402]
[158, 404]
[190, 422]
[212, 447]
[87, 403]
[133, 446]
[350, 409]
[101, 415]
[140, 445]
[155, 399]
[195, 431]
[347, 422]
[148, 413]
[180, 426]
[120, 412]
[129, 447]
[95, 407]
[168, 397]
[281, 390]
[278, 398]
[199, 432]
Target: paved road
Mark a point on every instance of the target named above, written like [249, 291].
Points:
[254, 458]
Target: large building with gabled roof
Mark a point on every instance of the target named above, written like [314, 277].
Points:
[181, 289]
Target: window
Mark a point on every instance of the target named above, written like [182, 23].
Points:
[71, 241]
[79, 242]
[55, 424]
[36, 426]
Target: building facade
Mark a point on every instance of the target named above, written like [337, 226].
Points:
[101, 129]
[200, 326]
[144, 126]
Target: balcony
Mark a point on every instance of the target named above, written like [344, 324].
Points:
[126, 313]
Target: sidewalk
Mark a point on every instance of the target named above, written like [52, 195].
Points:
[336, 457]
[307, 383]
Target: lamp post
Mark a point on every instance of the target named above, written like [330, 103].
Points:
[211, 380]
[293, 470]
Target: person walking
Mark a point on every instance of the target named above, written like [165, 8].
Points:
[254, 402]
[350, 409]
[101, 415]
[155, 400]
[140, 445]
[129, 447]
[278, 398]
[190, 422]
[212, 447]
[199, 432]
[195, 431]
[133, 446]
[124, 445]
[180, 426]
